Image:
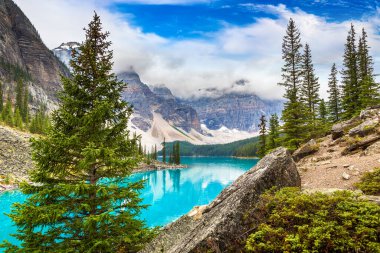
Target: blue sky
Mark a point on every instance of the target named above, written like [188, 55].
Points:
[192, 46]
[198, 19]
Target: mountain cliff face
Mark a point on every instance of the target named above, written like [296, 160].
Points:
[22, 49]
[147, 102]
[234, 110]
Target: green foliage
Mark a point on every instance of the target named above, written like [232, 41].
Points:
[1, 97]
[14, 72]
[334, 103]
[350, 82]
[309, 91]
[164, 151]
[274, 132]
[294, 114]
[245, 147]
[262, 145]
[40, 121]
[297, 222]
[18, 119]
[370, 182]
[7, 113]
[81, 199]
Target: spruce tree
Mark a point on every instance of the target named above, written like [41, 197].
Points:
[334, 103]
[322, 111]
[274, 132]
[263, 135]
[18, 119]
[1, 97]
[309, 92]
[178, 153]
[350, 85]
[164, 151]
[369, 90]
[81, 199]
[19, 95]
[25, 105]
[7, 113]
[293, 115]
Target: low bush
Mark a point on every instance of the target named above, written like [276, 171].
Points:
[298, 222]
[370, 182]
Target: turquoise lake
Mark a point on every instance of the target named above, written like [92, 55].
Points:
[169, 193]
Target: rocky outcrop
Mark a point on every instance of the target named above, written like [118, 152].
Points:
[22, 50]
[15, 158]
[307, 149]
[339, 129]
[146, 102]
[219, 225]
[234, 110]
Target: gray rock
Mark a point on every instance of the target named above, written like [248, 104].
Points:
[222, 221]
[233, 110]
[370, 113]
[346, 176]
[339, 129]
[364, 128]
[307, 149]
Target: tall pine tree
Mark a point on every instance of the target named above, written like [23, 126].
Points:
[350, 83]
[1, 97]
[81, 199]
[309, 91]
[369, 90]
[293, 114]
[334, 103]
[274, 132]
[164, 151]
[263, 136]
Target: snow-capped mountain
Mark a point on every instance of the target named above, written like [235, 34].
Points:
[63, 52]
[159, 114]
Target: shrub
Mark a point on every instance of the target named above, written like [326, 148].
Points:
[370, 182]
[297, 222]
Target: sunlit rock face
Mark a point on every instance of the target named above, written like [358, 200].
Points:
[21, 48]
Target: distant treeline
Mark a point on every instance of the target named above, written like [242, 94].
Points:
[242, 148]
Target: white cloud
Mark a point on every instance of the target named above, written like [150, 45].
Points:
[158, 2]
[251, 52]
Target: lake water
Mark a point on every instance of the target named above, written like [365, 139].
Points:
[169, 193]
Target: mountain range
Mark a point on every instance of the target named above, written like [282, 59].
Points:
[158, 113]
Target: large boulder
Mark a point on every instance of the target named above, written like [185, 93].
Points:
[307, 149]
[364, 128]
[339, 129]
[217, 226]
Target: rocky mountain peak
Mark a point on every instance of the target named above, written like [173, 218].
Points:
[163, 91]
[21, 47]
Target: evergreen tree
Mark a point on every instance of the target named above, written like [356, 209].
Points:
[155, 152]
[140, 147]
[263, 132]
[164, 151]
[350, 85]
[25, 106]
[293, 114]
[174, 153]
[1, 97]
[81, 199]
[322, 111]
[274, 132]
[309, 91]
[178, 154]
[7, 113]
[333, 105]
[18, 119]
[19, 96]
[369, 90]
